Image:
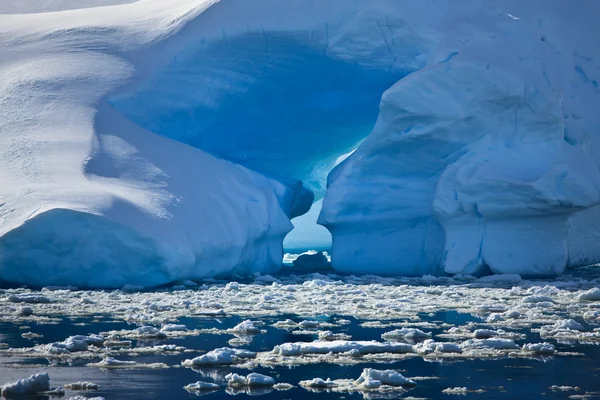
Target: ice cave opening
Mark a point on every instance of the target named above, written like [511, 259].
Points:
[275, 103]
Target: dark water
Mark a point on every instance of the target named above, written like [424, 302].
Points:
[501, 379]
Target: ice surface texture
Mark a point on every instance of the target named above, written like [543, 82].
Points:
[156, 141]
[487, 158]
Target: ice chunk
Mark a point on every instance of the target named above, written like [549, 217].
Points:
[29, 386]
[318, 383]
[173, 328]
[85, 398]
[388, 377]
[222, 356]
[341, 346]
[251, 380]
[150, 332]
[430, 346]
[33, 298]
[456, 390]
[82, 386]
[540, 348]
[246, 327]
[406, 334]
[201, 386]
[591, 295]
[496, 343]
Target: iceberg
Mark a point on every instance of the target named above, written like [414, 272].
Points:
[487, 159]
[148, 142]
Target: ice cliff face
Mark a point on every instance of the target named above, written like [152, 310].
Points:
[487, 158]
[154, 141]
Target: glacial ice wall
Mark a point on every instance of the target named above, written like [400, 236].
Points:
[487, 159]
[151, 141]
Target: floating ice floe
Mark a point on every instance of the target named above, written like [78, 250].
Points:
[82, 386]
[112, 363]
[540, 348]
[251, 380]
[32, 298]
[370, 377]
[173, 328]
[557, 388]
[246, 327]
[370, 381]
[590, 295]
[340, 346]
[430, 346]
[456, 390]
[85, 398]
[495, 344]
[374, 302]
[329, 336]
[407, 334]
[31, 335]
[222, 356]
[35, 384]
[201, 387]
[283, 386]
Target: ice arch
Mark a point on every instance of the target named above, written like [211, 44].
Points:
[77, 153]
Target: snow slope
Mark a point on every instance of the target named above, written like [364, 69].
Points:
[90, 199]
[147, 142]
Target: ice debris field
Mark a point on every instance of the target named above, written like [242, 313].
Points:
[321, 333]
[148, 142]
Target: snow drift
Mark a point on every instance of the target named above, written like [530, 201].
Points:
[151, 141]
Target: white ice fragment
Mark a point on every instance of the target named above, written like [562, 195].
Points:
[82, 386]
[173, 328]
[85, 398]
[283, 386]
[201, 386]
[540, 348]
[566, 324]
[537, 299]
[309, 324]
[431, 346]
[495, 343]
[222, 356]
[557, 388]
[341, 346]
[411, 334]
[318, 383]
[387, 377]
[32, 298]
[150, 332]
[591, 295]
[34, 384]
[246, 327]
[495, 317]
[251, 380]
[456, 390]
